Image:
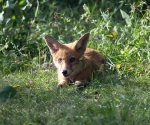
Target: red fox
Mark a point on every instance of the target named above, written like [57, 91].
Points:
[74, 62]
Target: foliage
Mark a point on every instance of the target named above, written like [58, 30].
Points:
[7, 92]
[24, 23]
[120, 31]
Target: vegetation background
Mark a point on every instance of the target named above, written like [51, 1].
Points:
[120, 30]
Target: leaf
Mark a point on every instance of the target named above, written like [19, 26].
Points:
[21, 2]
[126, 17]
[13, 17]
[115, 34]
[4, 47]
[87, 12]
[8, 92]
[85, 7]
[1, 16]
[118, 66]
[110, 35]
[10, 4]
[16, 86]
[117, 99]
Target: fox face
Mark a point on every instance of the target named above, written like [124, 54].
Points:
[66, 60]
[67, 57]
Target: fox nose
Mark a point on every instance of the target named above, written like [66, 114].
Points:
[64, 72]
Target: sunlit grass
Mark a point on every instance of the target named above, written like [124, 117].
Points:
[108, 100]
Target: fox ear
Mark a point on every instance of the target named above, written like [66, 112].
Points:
[80, 44]
[52, 44]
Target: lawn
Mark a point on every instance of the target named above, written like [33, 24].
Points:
[120, 96]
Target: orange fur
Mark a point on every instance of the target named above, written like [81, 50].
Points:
[74, 62]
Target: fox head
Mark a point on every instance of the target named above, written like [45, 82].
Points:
[66, 57]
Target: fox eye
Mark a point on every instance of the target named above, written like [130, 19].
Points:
[60, 60]
[72, 59]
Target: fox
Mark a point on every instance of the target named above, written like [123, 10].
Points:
[74, 62]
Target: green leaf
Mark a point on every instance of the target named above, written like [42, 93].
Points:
[126, 17]
[10, 4]
[8, 92]
[117, 99]
[21, 2]
[85, 7]
[1, 16]
[4, 47]
[13, 17]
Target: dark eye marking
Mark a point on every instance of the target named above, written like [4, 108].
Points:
[60, 60]
[72, 59]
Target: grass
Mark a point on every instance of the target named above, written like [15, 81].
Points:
[120, 96]
[108, 100]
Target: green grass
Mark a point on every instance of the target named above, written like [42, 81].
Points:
[108, 100]
[121, 96]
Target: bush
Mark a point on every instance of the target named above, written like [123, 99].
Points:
[24, 23]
